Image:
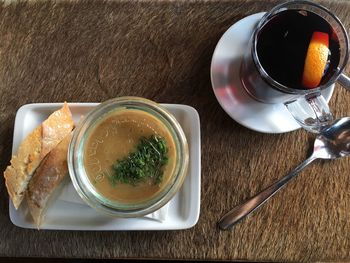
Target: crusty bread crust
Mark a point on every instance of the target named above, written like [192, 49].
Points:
[55, 128]
[46, 178]
[18, 174]
[32, 151]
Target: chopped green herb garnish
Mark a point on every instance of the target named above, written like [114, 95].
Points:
[145, 163]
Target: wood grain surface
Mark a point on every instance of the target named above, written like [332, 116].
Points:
[90, 51]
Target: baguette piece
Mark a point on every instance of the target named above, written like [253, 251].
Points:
[32, 151]
[55, 128]
[52, 170]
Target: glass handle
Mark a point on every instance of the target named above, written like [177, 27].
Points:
[312, 113]
[344, 81]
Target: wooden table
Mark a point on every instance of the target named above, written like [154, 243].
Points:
[83, 51]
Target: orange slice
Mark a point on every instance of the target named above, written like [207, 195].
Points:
[316, 60]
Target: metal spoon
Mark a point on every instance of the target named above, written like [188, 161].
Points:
[331, 143]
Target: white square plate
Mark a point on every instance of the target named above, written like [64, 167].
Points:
[184, 207]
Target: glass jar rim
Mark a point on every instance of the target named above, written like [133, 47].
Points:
[83, 185]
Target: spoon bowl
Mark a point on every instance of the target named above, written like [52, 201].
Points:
[334, 142]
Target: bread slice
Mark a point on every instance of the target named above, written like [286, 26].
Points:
[46, 178]
[55, 128]
[32, 151]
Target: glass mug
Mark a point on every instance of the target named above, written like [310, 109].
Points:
[307, 106]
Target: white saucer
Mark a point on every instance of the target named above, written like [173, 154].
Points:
[183, 209]
[225, 67]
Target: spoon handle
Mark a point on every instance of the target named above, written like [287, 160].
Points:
[242, 210]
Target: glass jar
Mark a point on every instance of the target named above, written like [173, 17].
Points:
[85, 187]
